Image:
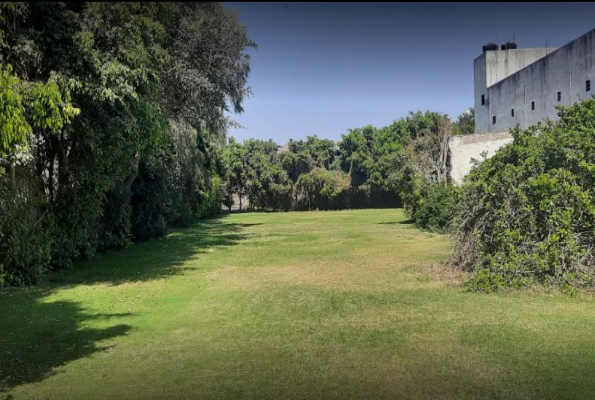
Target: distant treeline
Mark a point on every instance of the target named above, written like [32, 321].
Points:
[368, 167]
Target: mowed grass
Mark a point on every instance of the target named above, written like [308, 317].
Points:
[313, 305]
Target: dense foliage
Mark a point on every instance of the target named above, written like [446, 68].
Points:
[368, 167]
[465, 124]
[111, 123]
[527, 215]
[432, 207]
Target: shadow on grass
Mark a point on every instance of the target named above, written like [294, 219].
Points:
[406, 222]
[156, 258]
[38, 336]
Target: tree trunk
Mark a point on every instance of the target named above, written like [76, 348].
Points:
[12, 177]
[51, 179]
[63, 173]
[130, 178]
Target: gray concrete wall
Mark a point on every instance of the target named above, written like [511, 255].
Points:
[564, 70]
[463, 149]
[504, 63]
[479, 89]
[496, 66]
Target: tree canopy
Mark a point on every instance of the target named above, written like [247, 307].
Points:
[112, 119]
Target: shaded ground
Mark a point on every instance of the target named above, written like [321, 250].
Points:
[37, 335]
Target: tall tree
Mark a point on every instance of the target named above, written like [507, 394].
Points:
[120, 109]
[465, 123]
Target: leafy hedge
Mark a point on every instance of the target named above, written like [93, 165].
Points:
[527, 215]
[26, 238]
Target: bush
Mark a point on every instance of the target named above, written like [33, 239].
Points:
[210, 202]
[429, 205]
[527, 215]
[321, 189]
[25, 238]
[435, 208]
[78, 215]
[152, 202]
[117, 228]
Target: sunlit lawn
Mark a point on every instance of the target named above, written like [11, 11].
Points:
[317, 305]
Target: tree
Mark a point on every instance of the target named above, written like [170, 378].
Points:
[357, 154]
[208, 68]
[112, 122]
[428, 147]
[322, 189]
[465, 124]
[295, 164]
[14, 127]
[236, 164]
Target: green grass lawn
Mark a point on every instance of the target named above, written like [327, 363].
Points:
[313, 305]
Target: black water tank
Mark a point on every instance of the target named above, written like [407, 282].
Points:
[509, 46]
[490, 47]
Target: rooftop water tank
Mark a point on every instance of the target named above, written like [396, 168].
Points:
[490, 47]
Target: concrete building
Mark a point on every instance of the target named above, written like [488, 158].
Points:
[522, 87]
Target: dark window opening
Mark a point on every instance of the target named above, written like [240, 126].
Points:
[532, 105]
[512, 112]
[559, 96]
[588, 85]
[494, 119]
[483, 99]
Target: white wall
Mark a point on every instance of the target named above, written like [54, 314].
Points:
[467, 147]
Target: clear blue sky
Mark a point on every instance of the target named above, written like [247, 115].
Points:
[323, 68]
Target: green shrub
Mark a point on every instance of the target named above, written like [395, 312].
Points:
[77, 224]
[117, 228]
[25, 238]
[435, 208]
[321, 189]
[210, 202]
[153, 203]
[430, 206]
[527, 215]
